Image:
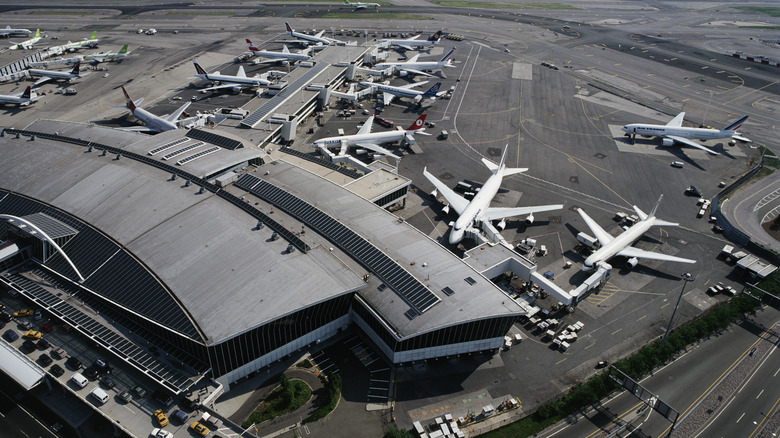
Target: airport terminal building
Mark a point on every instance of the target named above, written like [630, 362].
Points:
[226, 261]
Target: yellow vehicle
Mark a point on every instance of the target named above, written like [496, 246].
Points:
[199, 428]
[32, 334]
[161, 418]
[23, 312]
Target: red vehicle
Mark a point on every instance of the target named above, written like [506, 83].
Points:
[384, 122]
[46, 327]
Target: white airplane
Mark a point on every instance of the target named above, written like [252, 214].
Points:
[415, 67]
[153, 123]
[284, 56]
[389, 92]
[412, 43]
[27, 97]
[86, 43]
[8, 32]
[371, 140]
[673, 132]
[97, 58]
[306, 40]
[235, 83]
[361, 5]
[621, 245]
[27, 45]
[50, 75]
[478, 209]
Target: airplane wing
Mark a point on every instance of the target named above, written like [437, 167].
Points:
[642, 254]
[404, 46]
[387, 98]
[457, 202]
[413, 58]
[413, 84]
[378, 149]
[690, 143]
[222, 87]
[175, 116]
[496, 213]
[42, 80]
[366, 128]
[416, 72]
[602, 236]
[138, 129]
[677, 121]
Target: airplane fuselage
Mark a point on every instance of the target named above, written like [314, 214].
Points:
[52, 74]
[400, 92]
[353, 140]
[237, 80]
[310, 38]
[152, 121]
[417, 65]
[410, 43]
[624, 240]
[474, 209]
[281, 56]
[662, 131]
[10, 33]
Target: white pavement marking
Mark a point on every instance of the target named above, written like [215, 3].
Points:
[759, 394]
[740, 417]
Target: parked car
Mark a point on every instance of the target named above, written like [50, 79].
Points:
[139, 391]
[125, 396]
[25, 324]
[45, 359]
[23, 312]
[11, 335]
[46, 327]
[180, 416]
[43, 344]
[108, 382]
[160, 433]
[29, 346]
[58, 352]
[38, 315]
[199, 428]
[5, 316]
[56, 370]
[161, 418]
[73, 363]
[163, 398]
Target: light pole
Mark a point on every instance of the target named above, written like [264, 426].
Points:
[686, 276]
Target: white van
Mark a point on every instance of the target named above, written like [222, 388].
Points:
[79, 380]
[100, 395]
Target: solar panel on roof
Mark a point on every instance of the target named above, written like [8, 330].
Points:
[390, 272]
[214, 138]
[52, 227]
[470, 281]
[200, 154]
[178, 152]
[168, 146]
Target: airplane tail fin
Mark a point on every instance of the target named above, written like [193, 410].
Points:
[436, 36]
[502, 165]
[76, 68]
[128, 101]
[418, 124]
[285, 49]
[448, 57]
[289, 29]
[26, 94]
[199, 69]
[94, 36]
[123, 50]
[736, 125]
[251, 46]
[433, 91]
[37, 33]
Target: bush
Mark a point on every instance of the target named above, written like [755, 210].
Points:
[332, 384]
[287, 397]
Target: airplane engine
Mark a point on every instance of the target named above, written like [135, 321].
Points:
[435, 193]
[417, 98]
[732, 142]
[501, 225]
[530, 219]
[632, 262]
[403, 73]
[667, 142]
[446, 209]
[285, 63]
[236, 90]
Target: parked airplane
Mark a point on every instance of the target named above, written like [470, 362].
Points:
[27, 45]
[50, 75]
[478, 209]
[389, 92]
[621, 245]
[674, 132]
[87, 43]
[371, 140]
[306, 40]
[415, 67]
[97, 58]
[8, 32]
[153, 123]
[361, 5]
[412, 43]
[27, 97]
[235, 83]
[284, 56]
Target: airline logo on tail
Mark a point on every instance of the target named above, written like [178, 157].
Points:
[26, 94]
[448, 57]
[123, 50]
[199, 69]
[252, 47]
[129, 102]
[289, 29]
[433, 91]
[76, 67]
[436, 36]
[736, 125]
[418, 124]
